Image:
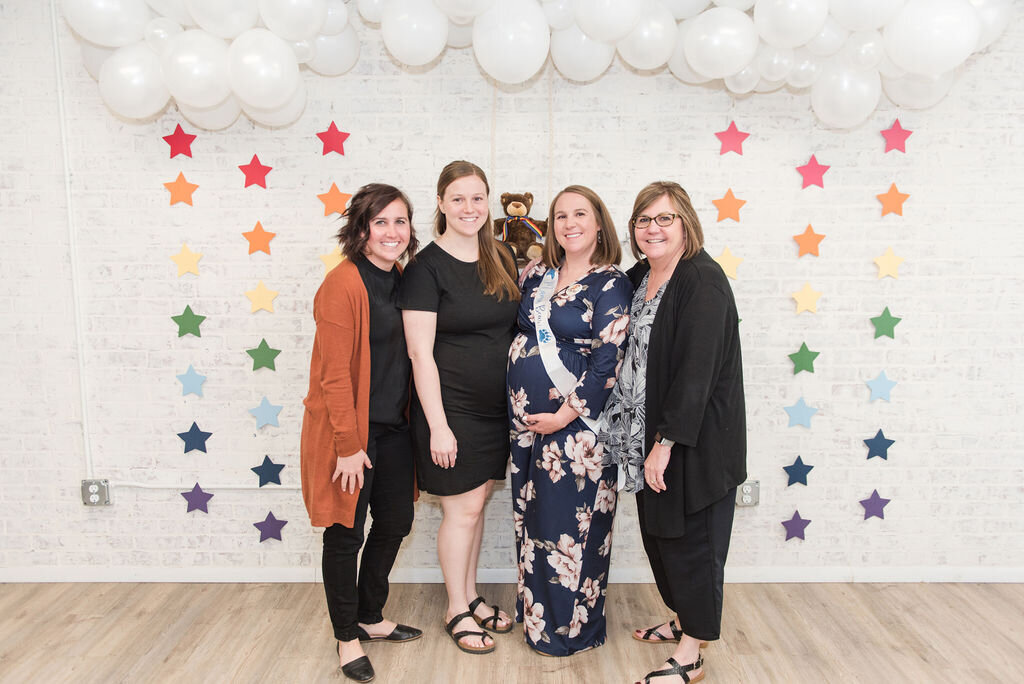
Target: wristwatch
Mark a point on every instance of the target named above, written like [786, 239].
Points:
[664, 441]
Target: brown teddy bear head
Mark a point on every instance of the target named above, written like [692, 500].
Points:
[517, 229]
[516, 204]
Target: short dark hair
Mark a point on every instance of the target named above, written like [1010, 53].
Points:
[606, 251]
[369, 201]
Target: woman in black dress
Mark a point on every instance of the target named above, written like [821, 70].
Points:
[459, 299]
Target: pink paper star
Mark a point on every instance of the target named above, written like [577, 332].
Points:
[813, 173]
[732, 139]
[896, 137]
[180, 142]
[255, 173]
[333, 139]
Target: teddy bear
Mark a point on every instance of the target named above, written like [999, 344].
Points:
[524, 234]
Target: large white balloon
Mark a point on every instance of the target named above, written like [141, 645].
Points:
[650, 43]
[414, 32]
[844, 96]
[686, 9]
[773, 63]
[607, 20]
[914, 91]
[336, 19]
[334, 55]
[294, 19]
[173, 9]
[864, 15]
[159, 32]
[994, 16]
[805, 69]
[677, 62]
[112, 23]
[224, 18]
[283, 115]
[213, 118]
[789, 23]
[578, 56]
[131, 83]
[93, 57]
[195, 68]
[932, 37]
[561, 14]
[463, 11]
[720, 42]
[511, 40]
[829, 40]
[370, 10]
[262, 69]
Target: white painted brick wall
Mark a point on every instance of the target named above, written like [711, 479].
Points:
[954, 475]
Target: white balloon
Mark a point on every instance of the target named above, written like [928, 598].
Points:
[743, 81]
[888, 68]
[213, 118]
[511, 39]
[789, 23]
[578, 56]
[864, 49]
[131, 84]
[336, 19]
[287, 113]
[914, 91]
[766, 86]
[293, 19]
[195, 68]
[459, 35]
[463, 11]
[224, 18]
[742, 5]
[93, 57]
[561, 14]
[414, 32]
[686, 9]
[678, 64]
[994, 16]
[932, 37]
[262, 69]
[805, 69]
[172, 9]
[111, 23]
[720, 42]
[844, 96]
[607, 20]
[370, 10]
[159, 32]
[304, 50]
[773, 63]
[650, 43]
[864, 15]
[829, 40]
[334, 55]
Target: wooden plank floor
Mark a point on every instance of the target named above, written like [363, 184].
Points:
[280, 633]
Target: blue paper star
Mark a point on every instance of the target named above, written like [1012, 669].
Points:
[873, 506]
[197, 499]
[880, 387]
[195, 438]
[268, 471]
[191, 382]
[795, 526]
[879, 446]
[270, 527]
[266, 413]
[800, 413]
[797, 472]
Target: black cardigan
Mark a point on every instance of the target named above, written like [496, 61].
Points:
[694, 392]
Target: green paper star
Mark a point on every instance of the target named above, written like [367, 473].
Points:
[885, 324]
[188, 322]
[263, 356]
[803, 360]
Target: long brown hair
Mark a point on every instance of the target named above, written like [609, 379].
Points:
[369, 201]
[606, 251]
[687, 214]
[495, 264]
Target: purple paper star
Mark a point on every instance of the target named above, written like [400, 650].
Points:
[795, 526]
[197, 499]
[270, 527]
[873, 506]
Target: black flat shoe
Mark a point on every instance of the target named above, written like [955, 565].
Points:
[359, 669]
[399, 634]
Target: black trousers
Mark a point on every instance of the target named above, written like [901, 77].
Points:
[690, 570]
[387, 494]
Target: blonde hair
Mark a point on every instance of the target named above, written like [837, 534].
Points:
[606, 251]
[691, 224]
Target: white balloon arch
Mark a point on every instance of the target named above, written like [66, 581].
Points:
[218, 58]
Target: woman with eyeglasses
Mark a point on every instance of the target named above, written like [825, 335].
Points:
[676, 421]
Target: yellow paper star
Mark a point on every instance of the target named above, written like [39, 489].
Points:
[334, 200]
[332, 259]
[728, 261]
[888, 264]
[187, 260]
[261, 298]
[806, 299]
[181, 190]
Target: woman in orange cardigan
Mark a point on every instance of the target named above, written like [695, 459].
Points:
[356, 453]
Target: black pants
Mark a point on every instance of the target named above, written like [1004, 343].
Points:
[690, 570]
[387, 493]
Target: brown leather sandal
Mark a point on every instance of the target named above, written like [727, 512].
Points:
[457, 637]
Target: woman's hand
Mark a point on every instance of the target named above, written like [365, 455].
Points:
[654, 467]
[544, 423]
[443, 447]
[350, 470]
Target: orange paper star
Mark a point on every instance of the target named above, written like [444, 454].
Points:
[729, 206]
[892, 201]
[181, 190]
[259, 239]
[334, 201]
[808, 241]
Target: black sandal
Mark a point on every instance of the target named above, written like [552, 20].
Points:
[493, 619]
[674, 668]
[653, 636]
[457, 637]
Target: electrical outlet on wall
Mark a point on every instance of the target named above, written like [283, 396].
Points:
[96, 492]
[748, 493]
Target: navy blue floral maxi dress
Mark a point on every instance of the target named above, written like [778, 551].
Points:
[563, 496]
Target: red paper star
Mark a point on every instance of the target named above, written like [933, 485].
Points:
[259, 239]
[813, 173]
[896, 137]
[181, 142]
[333, 139]
[255, 173]
[732, 139]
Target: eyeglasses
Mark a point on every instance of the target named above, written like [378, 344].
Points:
[664, 220]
